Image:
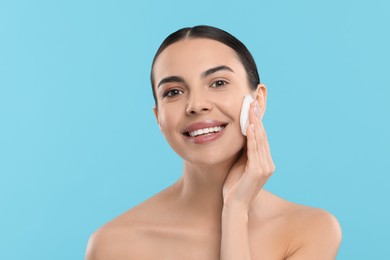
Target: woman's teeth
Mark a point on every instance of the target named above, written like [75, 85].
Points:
[206, 131]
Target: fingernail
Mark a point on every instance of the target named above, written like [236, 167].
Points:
[252, 126]
[257, 109]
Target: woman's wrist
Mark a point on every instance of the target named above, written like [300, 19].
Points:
[235, 212]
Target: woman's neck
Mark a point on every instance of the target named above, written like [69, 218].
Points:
[200, 187]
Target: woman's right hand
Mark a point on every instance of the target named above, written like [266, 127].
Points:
[251, 171]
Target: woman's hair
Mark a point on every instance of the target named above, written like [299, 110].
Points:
[209, 32]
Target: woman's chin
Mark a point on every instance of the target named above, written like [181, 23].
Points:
[213, 159]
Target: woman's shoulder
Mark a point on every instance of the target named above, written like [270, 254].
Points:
[119, 233]
[280, 207]
[124, 235]
[310, 218]
[310, 229]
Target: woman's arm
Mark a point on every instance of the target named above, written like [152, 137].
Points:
[245, 180]
[235, 241]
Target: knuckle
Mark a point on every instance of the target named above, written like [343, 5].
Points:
[271, 171]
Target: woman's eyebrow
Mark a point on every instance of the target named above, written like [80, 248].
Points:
[215, 69]
[170, 79]
[203, 75]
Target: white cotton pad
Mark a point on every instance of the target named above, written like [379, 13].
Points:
[244, 116]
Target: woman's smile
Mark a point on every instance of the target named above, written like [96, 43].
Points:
[204, 132]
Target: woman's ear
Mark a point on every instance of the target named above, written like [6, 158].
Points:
[261, 98]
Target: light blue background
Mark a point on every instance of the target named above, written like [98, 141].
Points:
[78, 140]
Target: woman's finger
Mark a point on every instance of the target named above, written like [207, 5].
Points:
[250, 179]
[251, 147]
[254, 119]
[265, 147]
[262, 143]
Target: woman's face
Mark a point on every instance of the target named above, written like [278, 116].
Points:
[200, 85]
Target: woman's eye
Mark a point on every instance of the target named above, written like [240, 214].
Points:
[219, 83]
[172, 93]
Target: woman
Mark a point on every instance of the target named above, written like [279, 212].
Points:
[218, 208]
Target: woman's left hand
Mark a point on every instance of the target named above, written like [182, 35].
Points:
[251, 171]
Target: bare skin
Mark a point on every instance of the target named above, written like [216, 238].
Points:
[218, 209]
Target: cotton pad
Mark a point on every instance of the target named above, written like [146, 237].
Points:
[244, 116]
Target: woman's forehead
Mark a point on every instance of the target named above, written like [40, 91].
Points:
[190, 56]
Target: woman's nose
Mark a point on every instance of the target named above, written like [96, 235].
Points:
[197, 104]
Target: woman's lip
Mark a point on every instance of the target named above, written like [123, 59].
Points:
[205, 138]
[202, 124]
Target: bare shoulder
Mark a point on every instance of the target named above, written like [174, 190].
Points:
[115, 240]
[315, 233]
[124, 237]
[103, 242]
[315, 223]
